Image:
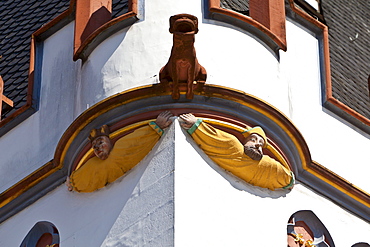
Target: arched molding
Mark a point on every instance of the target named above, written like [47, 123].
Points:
[216, 102]
[362, 244]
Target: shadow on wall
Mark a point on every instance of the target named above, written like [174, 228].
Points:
[97, 19]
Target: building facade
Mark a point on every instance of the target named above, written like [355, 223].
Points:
[298, 69]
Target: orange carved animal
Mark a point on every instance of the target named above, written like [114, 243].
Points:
[183, 65]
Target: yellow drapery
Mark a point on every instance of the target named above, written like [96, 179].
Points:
[127, 152]
[227, 151]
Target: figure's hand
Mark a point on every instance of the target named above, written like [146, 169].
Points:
[164, 119]
[69, 185]
[188, 120]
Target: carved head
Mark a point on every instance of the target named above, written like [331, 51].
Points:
[101, 142]
[255, 140]
[184, 23]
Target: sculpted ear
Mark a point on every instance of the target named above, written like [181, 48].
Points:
[172, 21]
[195, 20]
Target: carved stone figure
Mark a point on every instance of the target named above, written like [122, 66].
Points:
[183, 65]
[111, 161]
[244, 160]
[100, 142]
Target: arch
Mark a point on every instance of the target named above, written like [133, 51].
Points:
[215, 102]
[42, 234]
[362, 244]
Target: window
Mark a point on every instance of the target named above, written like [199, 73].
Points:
[18, 21]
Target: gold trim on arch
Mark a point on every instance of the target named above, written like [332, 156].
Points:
[207, 90]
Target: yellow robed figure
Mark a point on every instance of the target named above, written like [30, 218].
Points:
[230, 154]
[126, 153]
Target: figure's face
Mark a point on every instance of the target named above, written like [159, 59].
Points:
[253, 146]
[102, 147]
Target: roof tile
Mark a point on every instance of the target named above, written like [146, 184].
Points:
[349, 35]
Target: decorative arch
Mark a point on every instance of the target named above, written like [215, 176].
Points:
[131, 108]
[42, 234]
[144, 103]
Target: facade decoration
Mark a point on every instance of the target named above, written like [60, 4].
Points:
[305, 229]
[81, 100]
[112, 161]
[244, 160]
[183, 66]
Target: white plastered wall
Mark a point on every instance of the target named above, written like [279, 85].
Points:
[214, 208]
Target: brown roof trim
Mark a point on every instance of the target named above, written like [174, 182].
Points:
[277, 35]
[80, 49]
[329, 100]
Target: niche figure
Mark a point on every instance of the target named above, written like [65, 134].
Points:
[245, 160]
[112, 161]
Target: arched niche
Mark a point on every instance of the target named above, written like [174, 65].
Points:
[361, 245]
[227, 109]
[216, 102]
[305, 229]
[42, 234]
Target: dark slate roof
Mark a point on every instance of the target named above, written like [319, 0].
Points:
[349, 36]
[119, 7]
[18, 20]
[241, 6]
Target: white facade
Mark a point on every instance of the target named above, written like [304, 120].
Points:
[198, 204]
